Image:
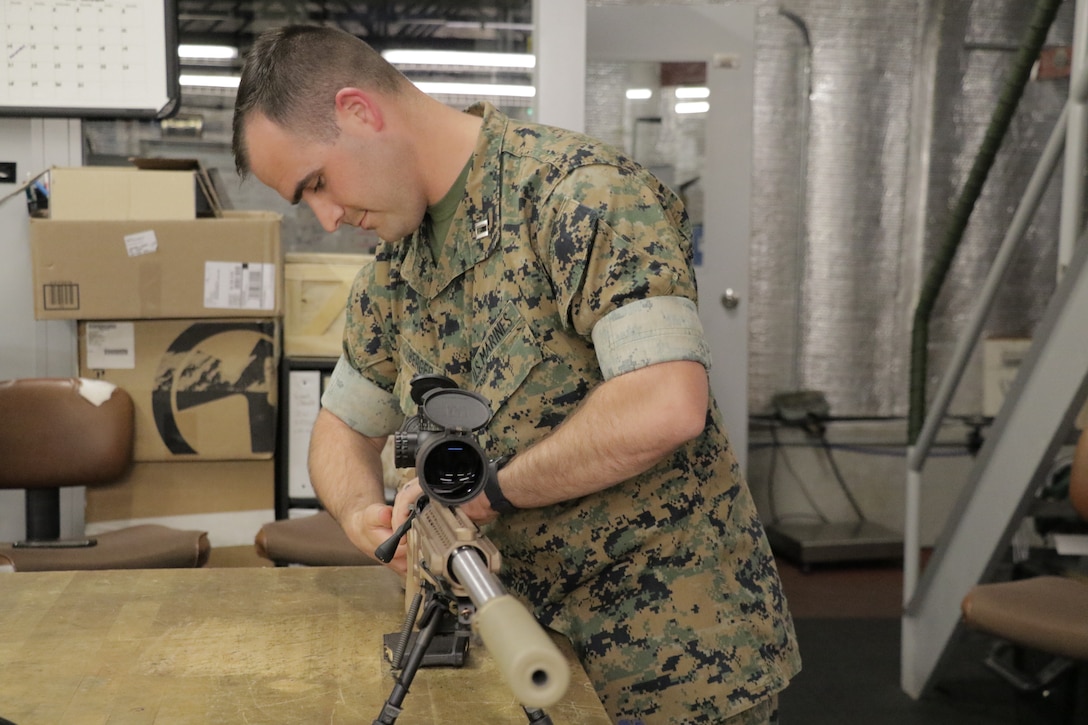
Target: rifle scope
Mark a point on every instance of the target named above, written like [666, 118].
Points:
[451, 466]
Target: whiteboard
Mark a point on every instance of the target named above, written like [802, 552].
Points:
[89, 58]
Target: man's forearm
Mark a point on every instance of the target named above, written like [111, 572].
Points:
[345, 467]
[627, 425]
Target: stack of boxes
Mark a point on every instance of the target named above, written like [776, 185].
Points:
[185, 314]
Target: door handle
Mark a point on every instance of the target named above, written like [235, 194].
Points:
[730, 299]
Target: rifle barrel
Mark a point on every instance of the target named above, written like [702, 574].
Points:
[528, 659]
[467, 564]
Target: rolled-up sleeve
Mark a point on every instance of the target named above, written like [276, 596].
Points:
[650, 331]
[360, 403]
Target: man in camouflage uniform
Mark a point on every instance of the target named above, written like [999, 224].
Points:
[552, 275]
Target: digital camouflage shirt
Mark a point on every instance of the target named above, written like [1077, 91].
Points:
[664, 583]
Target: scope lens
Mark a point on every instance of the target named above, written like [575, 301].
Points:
[453, 470]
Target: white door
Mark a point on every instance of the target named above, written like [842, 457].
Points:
[706, 156]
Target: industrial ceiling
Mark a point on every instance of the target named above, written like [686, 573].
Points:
[497, 25]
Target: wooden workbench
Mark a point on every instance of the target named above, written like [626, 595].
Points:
[255, 645]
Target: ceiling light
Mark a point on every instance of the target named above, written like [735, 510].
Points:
[207, 52]
[475, 89]
[692, 107]
[639, 94]
[209, 81]
[460, 57]
[487, 25]
[693, 92]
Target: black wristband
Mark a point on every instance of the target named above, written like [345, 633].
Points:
[498, 502]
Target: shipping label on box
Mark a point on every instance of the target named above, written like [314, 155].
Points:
[226, 267]
[234, 286]
[203, 389]
[316, 288]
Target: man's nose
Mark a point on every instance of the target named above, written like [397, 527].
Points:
[328, 214]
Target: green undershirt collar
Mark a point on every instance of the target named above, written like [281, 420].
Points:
[436, 223]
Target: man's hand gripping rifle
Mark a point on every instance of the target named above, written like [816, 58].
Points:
[452, 568]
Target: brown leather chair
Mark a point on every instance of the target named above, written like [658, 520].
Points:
[315, 540]
[1047, 614]
[318, 540]
[60, 432]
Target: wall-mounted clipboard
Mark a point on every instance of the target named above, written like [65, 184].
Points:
[89, 58]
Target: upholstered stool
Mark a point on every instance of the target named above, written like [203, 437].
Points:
[1046, 613]
[315, 540]
[60, 432]
[147, 546]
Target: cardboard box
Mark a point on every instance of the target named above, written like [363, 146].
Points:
[203, 389]
[126, 270]
[207, 196]
[315, 288]
[116, 193]
[230, 500]
[164, 489]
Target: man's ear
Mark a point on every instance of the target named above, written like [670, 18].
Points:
[356, 106]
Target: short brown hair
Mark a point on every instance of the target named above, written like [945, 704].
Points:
[292, 75]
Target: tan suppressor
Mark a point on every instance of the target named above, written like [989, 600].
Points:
[532, 665]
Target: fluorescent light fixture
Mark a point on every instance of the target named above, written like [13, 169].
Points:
[475, 89]
[692, 107]
[208, 81]
[487, 25]
[460, 57]
[693, 92]
[639, 94]
[207, 52]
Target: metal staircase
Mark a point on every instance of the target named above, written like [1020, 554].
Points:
[1034, 422]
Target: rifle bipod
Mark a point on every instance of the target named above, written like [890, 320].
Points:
[436, 616]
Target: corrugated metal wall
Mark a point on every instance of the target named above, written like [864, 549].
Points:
[868, 117]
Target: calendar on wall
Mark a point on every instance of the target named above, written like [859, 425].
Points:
[89, 58]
